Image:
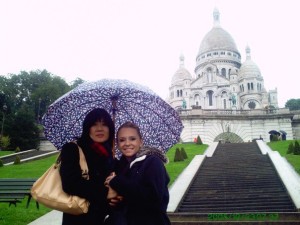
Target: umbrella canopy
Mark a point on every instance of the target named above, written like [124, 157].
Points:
[283, 132]
[274, 132]
[125, 101]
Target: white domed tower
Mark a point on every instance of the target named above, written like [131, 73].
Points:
[253, 94]
[221, 81]
[180, 87]
[217, 63]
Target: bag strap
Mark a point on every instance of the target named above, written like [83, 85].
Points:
[82, 162]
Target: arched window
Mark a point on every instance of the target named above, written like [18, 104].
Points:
[209, 75]
[180, 93]
[197, 99]
[223, 71]
[224, 102]
[177, 93]
[248, 86]
[210, 98]
[251, 86]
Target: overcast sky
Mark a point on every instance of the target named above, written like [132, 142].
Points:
[141, 40]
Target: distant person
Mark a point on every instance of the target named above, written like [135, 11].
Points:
[96, 142]
[141, 179]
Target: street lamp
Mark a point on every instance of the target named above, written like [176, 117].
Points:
[3, 118]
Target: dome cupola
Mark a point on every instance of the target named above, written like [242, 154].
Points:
[249, 69]
[182, 73]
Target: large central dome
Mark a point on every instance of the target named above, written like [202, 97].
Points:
[217, 38]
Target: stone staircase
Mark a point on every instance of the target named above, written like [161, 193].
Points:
[237, 180]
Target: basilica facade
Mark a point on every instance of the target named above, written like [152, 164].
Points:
[225, 98]
[220, 79]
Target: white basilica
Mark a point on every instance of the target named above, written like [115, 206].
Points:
[225, 99]
[221, 81]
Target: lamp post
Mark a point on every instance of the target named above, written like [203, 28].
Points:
[3, 118]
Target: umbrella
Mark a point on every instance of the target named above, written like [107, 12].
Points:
[125, 101]
[283, 132]
[274, 132]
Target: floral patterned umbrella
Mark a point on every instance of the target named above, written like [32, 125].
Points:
[126, 101]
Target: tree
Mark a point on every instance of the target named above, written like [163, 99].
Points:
[27, 97]
[293, 104]
[290, 148]
[17, 160]
[297, 148]
[5, 142]
[199, 141]
[178, 157]
[183, 153]
[76, 82]
[23, 130]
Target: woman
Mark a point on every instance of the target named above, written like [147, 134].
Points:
[96, 142]
[141, 180]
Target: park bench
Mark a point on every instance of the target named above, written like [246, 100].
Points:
[14, 190]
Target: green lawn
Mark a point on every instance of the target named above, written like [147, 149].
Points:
[21, 216]
[175, 168]
[3, 153]
[282, 147]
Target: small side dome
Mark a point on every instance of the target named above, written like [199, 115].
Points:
[182, 73]
[249, 68]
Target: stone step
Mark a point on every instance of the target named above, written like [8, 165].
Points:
[237, 178]
[251, 218]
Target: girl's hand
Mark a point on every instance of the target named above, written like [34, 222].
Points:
[113, 202]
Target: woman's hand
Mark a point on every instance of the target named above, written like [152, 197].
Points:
[109, 178]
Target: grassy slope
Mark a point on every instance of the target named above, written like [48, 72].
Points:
[282, 147]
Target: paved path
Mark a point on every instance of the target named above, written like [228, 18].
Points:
[52, 218]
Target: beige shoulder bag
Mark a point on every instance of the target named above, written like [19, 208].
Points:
[48, 191]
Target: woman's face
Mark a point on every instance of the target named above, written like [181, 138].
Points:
[129, 142]
[99, 132]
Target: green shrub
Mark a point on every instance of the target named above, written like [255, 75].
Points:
[5, 142]
[178, 157]
[290, 148]
[17, 150]
[199, 141]
[183, 153]
[1, 163]
[17, 160]
[297, 148]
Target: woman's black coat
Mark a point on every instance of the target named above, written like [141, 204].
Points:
[93, 189]
[144, 187]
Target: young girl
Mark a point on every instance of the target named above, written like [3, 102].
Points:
[141, 179]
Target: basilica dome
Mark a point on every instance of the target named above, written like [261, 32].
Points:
[217, 38]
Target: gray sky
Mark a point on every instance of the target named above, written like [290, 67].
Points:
[141, 40]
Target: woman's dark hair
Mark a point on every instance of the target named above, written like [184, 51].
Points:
[130, 125]
[91, 118]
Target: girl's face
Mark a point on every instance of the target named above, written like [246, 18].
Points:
[129, 142]
[99, 132]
